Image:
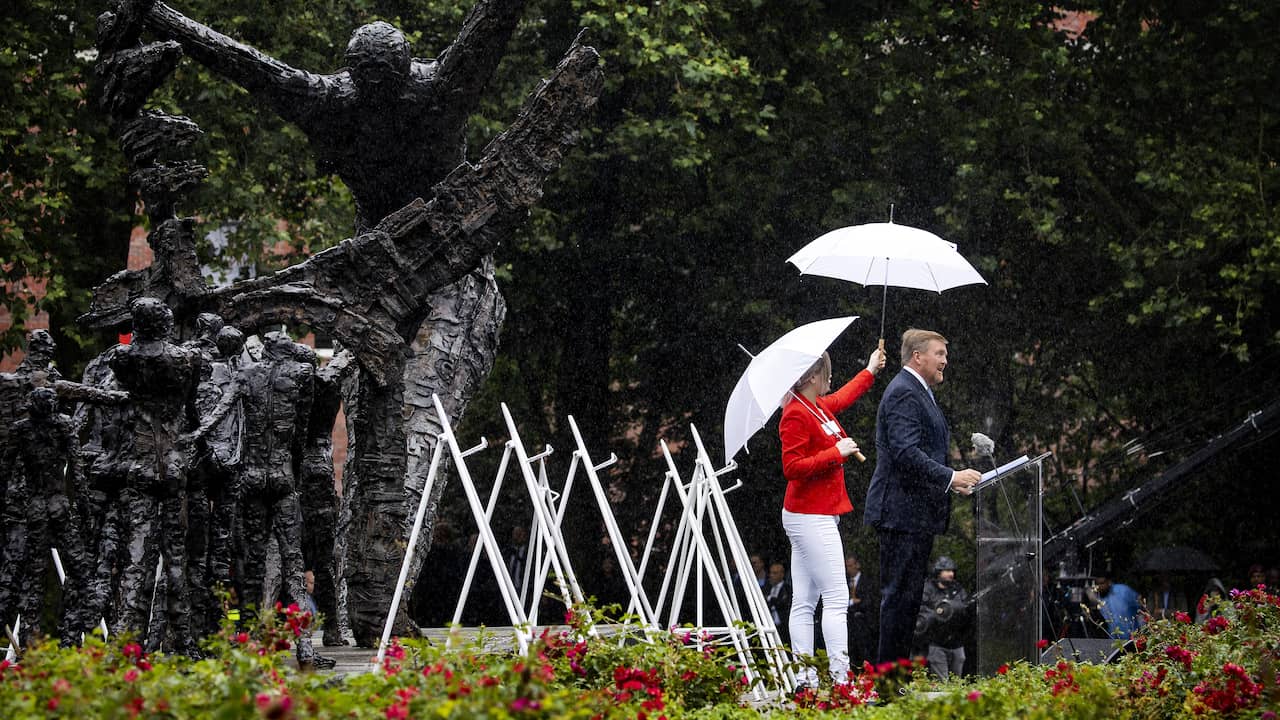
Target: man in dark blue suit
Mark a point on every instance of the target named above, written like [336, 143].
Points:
[909, 500]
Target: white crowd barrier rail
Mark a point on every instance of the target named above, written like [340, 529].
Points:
[707, 560]
[705, 523]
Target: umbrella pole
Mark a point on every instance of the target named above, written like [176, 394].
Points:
[884, 303]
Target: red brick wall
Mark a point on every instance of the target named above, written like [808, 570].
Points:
[140, 255]
[34, 289]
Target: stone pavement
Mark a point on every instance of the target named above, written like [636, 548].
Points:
[354, 660]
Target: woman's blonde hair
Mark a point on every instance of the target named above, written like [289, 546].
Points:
[819, 366]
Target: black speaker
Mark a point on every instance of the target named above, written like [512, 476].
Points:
[1092, 650]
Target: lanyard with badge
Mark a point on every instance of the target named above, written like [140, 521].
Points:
[825, 421]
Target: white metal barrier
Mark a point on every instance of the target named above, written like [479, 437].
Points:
[707, 552]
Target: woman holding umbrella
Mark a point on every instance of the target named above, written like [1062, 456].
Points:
[814, 449]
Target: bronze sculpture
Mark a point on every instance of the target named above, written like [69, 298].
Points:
[421, 234]
[161, 378]
[42, 465]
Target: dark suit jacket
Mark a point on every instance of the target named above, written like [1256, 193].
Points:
[909, 487]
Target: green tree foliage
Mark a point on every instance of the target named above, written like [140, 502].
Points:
[1096, 181]
[63, 202]
[1116, 189]
[1200, 120]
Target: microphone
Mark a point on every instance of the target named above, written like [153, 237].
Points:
[983, 446]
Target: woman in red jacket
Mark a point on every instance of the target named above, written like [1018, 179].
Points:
[814, 449]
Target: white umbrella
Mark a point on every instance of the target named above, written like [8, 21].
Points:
[770, 376]
[887, 254]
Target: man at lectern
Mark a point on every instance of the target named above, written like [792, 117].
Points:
[909, 500]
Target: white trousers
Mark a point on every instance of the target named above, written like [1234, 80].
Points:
[817, 571]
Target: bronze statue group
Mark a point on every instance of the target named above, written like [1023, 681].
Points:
[182, 469]
[182, 465]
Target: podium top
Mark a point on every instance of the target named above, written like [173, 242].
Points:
[991, 476]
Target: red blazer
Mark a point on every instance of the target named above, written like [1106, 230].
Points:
[811, 463]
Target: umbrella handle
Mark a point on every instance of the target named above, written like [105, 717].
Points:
[857, 454]
[881, 347]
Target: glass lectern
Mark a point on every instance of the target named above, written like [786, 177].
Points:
[1009, 571]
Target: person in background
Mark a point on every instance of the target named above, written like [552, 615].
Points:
[777, 594]
[757, 567]
[814, 450]
[1166, 599]
[1257, 576]
[759, 573]
[862, 612]
[516, 555]
[1119, 605]
[309, 585]
[944, 620]
[1214, 592]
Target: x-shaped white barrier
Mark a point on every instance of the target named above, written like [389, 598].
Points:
[705, 523]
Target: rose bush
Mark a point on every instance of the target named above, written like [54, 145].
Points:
[1225, 666]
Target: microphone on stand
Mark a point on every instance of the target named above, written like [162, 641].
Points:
[984, 447]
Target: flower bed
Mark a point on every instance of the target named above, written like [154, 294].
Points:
[1223, 667]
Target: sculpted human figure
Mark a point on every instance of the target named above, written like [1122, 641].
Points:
[277, 394]
[223, 446]
[37, 366]
[388, 125]
[208, 325]
[319, 499]
[161, 378]
[44, 457]
[37, 370]
[15, 388]
[105, 435]
[211, 476]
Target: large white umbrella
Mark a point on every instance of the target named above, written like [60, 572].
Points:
[887, 254]
[769, 378]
